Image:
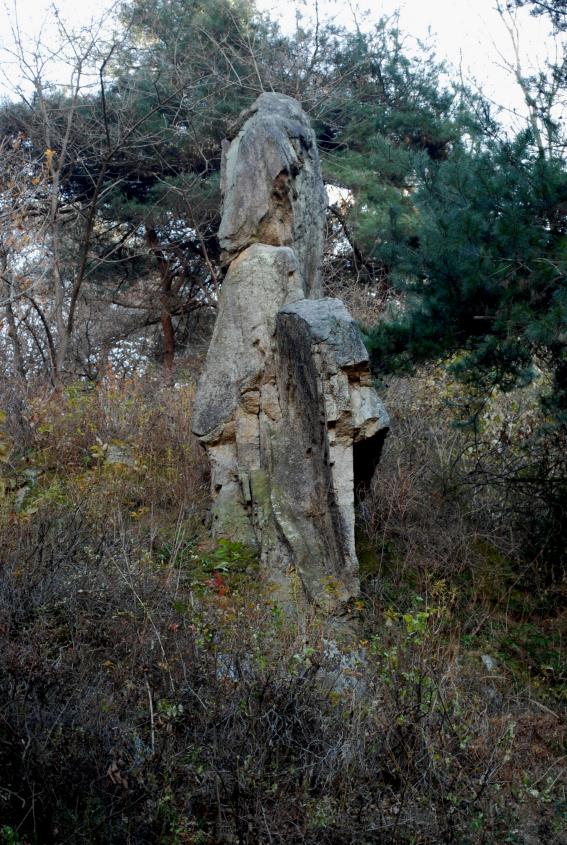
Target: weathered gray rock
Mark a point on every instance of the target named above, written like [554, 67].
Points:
[285, 406]
[329, 407]
[259, 282]
[272, 186]
[238, 379]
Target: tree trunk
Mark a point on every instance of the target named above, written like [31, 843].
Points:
[168, 337]
[11, 320]
[168, 332]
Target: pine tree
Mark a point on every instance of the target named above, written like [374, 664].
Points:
[487, 274]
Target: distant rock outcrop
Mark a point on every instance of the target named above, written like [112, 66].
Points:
[285, 406]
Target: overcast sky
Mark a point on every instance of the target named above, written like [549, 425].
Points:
[468, 33]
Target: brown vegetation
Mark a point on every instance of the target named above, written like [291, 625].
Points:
[152, 692]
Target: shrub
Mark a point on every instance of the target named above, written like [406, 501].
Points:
[150, 690]
[153, 700]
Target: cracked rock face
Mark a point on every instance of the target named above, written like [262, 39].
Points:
[272, 188]
[285, 406]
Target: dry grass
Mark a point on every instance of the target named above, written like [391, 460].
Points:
[150, 691]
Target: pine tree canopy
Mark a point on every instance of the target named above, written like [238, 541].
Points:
[486, 278]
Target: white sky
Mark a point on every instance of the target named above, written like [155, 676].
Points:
[468, 33]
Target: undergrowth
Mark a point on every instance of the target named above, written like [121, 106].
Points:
[152, 692]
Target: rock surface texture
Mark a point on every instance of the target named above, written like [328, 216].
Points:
[285, 406]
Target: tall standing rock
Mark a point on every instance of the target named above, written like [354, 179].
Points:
[272, 188]
[285, 407]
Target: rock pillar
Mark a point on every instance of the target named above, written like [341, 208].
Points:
[285, 399]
